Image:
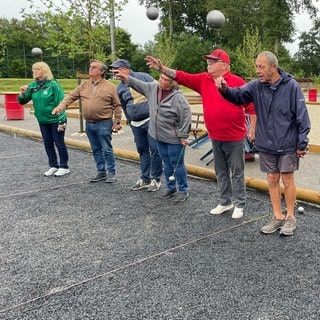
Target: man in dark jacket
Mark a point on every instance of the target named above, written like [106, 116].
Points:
[136, 109]
[282, 128]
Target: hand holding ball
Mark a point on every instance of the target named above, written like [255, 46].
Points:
[152, 13]
[216, 18]
[36, 52]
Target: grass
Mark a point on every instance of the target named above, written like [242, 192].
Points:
[14, 85]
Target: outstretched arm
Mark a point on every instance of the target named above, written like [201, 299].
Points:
[120, 75]
[156, 64]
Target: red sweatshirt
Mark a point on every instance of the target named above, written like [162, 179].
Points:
[224, 120]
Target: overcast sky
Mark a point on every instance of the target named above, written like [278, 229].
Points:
[135, 22]
[133, 18]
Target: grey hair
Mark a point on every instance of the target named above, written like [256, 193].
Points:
[103, 67]
[271, 57]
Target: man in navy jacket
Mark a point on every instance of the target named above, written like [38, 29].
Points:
[282, 128]
[136, 110]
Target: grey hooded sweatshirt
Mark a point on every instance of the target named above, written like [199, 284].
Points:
[170, 119]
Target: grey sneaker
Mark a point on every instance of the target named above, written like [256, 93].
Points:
[272, 226]
[169, 193]
[183, 196]
[140, 184]
[154, 185]
[289, 226]
[100, 176]
[111, 178]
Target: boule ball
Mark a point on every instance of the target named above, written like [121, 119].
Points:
[216, 18]
[152, 13]
[36, 52]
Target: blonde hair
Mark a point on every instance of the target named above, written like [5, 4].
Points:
[174, 85]
[47, 74]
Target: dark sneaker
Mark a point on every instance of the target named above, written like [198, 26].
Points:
[154, 185]
[140, 184]
[169, 193]
[111, 178]
[99, 177]
[289, 226]
[183, 196]
[272, 226]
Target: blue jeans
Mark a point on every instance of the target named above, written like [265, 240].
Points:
[150, 160]
[100, 136]
[170, 154]
[229, 166]
[51, 138]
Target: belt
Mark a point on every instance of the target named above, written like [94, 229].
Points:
[97, 121]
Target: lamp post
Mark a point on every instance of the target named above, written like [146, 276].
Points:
[112, 31]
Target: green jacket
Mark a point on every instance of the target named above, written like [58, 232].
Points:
[45, 98]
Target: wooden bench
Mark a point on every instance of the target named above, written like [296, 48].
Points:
[197, 123]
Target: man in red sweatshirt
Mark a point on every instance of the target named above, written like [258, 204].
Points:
[225, 123]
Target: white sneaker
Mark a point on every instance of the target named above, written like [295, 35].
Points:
[237, 213]
[61, 172]
[50, 172]
[221, 209]
[154, 185]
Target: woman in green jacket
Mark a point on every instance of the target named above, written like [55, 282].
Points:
[46, 93]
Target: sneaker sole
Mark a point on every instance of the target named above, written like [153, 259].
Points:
[237, 216]
[179, 201]
[139, 188]
[225, 210]
[61, 175]
[51, 174]
[97, 180]
[153, 190]
[170, 195]
[270, 232]
[283, 233]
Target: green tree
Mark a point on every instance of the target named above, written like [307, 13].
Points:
[93, 18]
[309, 51]
[273, 18]
[246, 54]
[189, 51]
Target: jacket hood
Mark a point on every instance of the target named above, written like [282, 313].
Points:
[284, 76]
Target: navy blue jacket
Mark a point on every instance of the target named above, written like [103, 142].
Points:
[133, 110]
[283, 122]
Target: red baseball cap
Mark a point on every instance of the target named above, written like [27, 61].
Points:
[218, 54]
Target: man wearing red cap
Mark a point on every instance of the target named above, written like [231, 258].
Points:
[225, 124]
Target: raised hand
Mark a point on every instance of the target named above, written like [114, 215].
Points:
[153, 63]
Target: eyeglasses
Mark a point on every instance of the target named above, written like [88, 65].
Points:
[212, 61]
